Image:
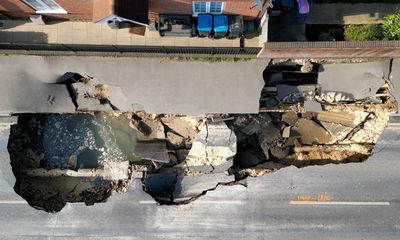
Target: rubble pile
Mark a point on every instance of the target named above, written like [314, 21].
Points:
[304, 119]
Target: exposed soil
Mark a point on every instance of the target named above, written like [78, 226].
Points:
[85, 157]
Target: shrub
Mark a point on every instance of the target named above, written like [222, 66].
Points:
[391, 26]
[368, 32]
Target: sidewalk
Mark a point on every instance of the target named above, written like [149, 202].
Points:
[345, 13]
[91, 33]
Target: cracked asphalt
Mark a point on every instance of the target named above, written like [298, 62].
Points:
[360, 200]
[362, 203]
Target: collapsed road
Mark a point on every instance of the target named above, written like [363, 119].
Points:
[304, 120]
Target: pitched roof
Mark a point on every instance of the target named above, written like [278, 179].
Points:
[135, 10]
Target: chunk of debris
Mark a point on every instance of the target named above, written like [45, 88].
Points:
[268, 137]
[337, 131]
[371, 129]
[307, 67]
[290, 118]
[286, 132]
[214, 145]
[312, 106]
[261, 169]
[152, 151]
[335, 97]
[150, 128]
[256, 124]
[280, 151]
[343, 118]
[181, 131]
[286, 90]
[311, 132]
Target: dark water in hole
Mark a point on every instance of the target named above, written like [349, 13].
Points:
[86, 141]
[68, 141]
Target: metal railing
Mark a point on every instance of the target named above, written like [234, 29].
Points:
[79, 49]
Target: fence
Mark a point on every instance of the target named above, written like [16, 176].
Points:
[79, 49]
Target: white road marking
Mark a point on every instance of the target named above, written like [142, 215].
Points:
[339, 203]
[147, 202]
[227, 202]
[233, 202]
[13, 202]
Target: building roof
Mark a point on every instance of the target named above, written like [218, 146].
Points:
[136, 10]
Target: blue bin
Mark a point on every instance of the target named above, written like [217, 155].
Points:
[220, 26]
[204, 24]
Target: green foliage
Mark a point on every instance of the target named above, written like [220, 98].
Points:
[391, 26]
[368, 32]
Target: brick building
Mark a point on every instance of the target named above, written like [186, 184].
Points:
[97, 10]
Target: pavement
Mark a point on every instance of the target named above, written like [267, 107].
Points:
[17, 31]
[354, 201]
[155, 84]
[346, 13]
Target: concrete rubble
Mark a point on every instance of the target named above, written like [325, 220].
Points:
[214, 145]
[304, 119]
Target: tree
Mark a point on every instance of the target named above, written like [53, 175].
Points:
[391, 26]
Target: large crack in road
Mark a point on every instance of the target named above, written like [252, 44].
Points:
[86, 156]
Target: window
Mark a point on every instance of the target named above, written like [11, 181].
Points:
[207, 7]
[45, 6]
[200, 7]
[216, 7]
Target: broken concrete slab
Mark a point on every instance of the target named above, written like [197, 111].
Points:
[181, 154]
[312, 106]
[280, 152]
[214, 145]
[181, 131]
[337, 131]
[269, 134]
[85, 98]
[344, 118]
[311, 132]
[151, 128]
[286, 132]
[152, 151]
[193, 186]
[290, 118]
[361, 80]
[335, 97]
[276, 78]
[251, 124]
[286, 90]
[307, 67]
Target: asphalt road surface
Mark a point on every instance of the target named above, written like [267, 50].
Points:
[347, 201]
